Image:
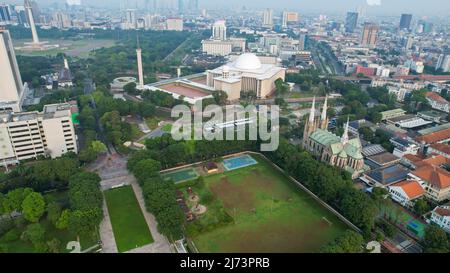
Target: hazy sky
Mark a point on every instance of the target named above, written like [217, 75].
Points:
[430, 7]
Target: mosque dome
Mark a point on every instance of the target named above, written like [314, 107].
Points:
[247, 61]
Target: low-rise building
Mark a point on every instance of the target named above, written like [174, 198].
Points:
[406, 192]
[440, 149]
[381, 160]
[441, 217]
[436, 180]
[437, 102]
[392, 114]
[403, 147]
[384, 177]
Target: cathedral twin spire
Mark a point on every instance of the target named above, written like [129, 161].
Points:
[312, 125]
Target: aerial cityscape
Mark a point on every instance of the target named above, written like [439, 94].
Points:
[190, 126]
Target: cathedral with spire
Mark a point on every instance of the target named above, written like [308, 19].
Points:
[327, 147]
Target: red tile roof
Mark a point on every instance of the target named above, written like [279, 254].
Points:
[442, 211]
[433, 175]
[445, 148]
[411, 187]
[412, 158]
[435, 137]
[434, 160]
[435, 97]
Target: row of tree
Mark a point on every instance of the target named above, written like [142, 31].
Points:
[159, 195]
[43, 175]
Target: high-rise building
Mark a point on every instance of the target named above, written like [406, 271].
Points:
[181, 6]
[5, 14]
[405, 21]
[27, 135]
[443, 63]
[131, 18]
[268, 18]
[11, 85]
[289, 17]
[370, 35]
[219, 30]
[303, 40]
[193, 5]
[61, 20]
[351, 22]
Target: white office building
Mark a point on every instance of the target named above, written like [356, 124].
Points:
[28, 135]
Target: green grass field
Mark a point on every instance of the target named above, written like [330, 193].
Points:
[75, 48]
[271, 214]
[128, 223]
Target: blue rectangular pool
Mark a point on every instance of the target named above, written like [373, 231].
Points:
[239, 162]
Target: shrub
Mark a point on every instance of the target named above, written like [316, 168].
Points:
[11, 236]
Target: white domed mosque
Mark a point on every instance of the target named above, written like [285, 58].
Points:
[246, 73]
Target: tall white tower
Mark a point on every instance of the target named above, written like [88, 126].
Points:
[139, 61]
[11, 85]
[29, 12]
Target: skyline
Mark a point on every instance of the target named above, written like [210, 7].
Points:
[374, 7]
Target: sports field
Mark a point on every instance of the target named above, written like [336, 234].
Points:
[405, 219]
[128, 223]
[181, 175]
[271, 214]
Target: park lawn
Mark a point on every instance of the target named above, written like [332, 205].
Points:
[152, 122]
[167, 128]
[129, 226]
[271, 214]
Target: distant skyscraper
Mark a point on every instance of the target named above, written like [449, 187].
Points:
[193, 5]
[443, 63]
[405, 21]
[219, 30]
[369, 35]
[131, 18]
[268, 18]
[351, 22]
[289, 17]
[11, 85]
[181, 6]
[5, 14]
[303, 40]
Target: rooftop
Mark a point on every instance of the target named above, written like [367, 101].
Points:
[388, 175]
[412, 188]
[435, 137]
[433, 175]
[383, 158]
[444, 148]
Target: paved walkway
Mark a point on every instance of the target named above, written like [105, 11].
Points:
[106, 232]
